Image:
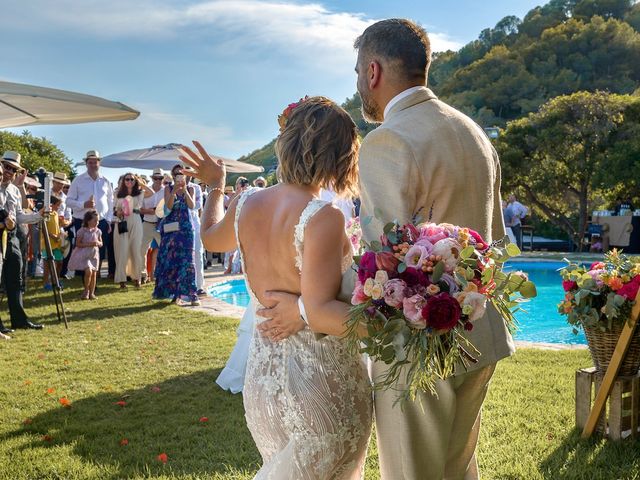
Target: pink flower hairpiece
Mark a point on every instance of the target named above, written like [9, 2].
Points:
[286, 113]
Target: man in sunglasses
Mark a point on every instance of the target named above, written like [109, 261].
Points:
[12, 262]
[91, 190]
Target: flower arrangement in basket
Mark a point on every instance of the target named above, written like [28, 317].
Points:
[418, 289]
[599, 299]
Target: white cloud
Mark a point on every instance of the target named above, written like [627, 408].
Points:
[306, 31]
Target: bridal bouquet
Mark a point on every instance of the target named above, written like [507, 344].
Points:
[419, 289]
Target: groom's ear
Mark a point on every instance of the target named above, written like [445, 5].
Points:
[374, 74]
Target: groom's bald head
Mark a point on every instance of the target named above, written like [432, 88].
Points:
[402, 44]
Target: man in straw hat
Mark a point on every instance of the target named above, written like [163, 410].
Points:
[150, 234]
[91, 190]
[13, 262]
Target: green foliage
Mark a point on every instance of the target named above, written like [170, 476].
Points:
[36, 152]
[120, 352]
[560, 157]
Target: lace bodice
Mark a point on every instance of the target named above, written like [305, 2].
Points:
[307, 400]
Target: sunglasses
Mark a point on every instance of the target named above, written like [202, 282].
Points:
[155, 179]
[9, 168]
[129, 180]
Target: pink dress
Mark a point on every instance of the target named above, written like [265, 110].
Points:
[86, 257]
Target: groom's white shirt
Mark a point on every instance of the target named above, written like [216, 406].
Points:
[398, 97]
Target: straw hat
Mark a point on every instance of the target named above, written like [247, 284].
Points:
[32, 182]
[12, 158]
[157, 172]
[61, 177]
[92, 154]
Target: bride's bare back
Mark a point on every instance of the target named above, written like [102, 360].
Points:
[266, 228]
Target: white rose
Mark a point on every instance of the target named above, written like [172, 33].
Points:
[449, 250]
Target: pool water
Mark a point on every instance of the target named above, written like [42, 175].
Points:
[233, 291]
[540, 322]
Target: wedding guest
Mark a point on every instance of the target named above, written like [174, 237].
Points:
[8, 223]
[32, 186]
[195, 211]
[55, 234]
[260, 182]
[150, 234]
[91, 190]
[86, 255]
[175, 270]
[516, 212]
[128, 237]
[12, 261]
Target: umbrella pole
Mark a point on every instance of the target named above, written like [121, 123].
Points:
[53, 273]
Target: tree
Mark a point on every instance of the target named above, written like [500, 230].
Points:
[561, 156]
[36, 152]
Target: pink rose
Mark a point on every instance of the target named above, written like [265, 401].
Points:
[394, 292]
[597, 276]
[367, 267]
[412, 308]
[358, 296]
[630, 290]
[480, 243]
[416, 256]
[387, 262]
[568, 285]
[433, 233]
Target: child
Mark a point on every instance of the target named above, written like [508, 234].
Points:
[86, 255]
[55, 239]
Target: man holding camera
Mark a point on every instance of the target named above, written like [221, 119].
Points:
[11, 203]
[91, 190]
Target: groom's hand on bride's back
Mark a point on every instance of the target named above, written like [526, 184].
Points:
[284, 316]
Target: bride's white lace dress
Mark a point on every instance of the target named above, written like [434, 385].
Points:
[307, 400]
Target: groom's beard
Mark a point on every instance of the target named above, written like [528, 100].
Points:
[371, 111]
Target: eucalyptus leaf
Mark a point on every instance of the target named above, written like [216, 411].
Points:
[438, 270]
[528, 289]
[467, 252]
[513, 250]
[402, 267]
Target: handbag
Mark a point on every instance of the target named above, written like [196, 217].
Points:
[171, 227]
[122, 227]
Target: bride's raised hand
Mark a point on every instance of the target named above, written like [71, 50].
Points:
[209, 170]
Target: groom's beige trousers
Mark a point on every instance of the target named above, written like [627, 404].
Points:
[432, 438]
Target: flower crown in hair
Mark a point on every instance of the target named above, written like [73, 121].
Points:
[286, 113]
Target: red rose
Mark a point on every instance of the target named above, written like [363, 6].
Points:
[442, 312]
[413, 277]
[569, 285]
[630, 290]
[367, 267]
[387, 261]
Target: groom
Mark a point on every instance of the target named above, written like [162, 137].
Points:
[425, 155]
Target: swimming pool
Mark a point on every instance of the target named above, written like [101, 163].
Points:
[540, 323]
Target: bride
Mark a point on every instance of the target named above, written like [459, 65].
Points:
[307, 398]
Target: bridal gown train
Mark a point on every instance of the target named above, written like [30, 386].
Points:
[308, 401]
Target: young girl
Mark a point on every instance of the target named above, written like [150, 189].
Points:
[55, 240]
[85, 255]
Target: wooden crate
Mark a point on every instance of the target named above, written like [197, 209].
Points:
[621, 416]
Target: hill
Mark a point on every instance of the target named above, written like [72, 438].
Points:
[560, 48]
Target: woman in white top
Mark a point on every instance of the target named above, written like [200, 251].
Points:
[127, 237]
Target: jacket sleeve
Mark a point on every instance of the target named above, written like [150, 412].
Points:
[388, 187]
[497, 222]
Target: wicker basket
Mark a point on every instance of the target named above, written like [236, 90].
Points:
[602, 344]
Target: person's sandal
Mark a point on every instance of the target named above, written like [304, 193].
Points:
[85, 295]
[123, 285]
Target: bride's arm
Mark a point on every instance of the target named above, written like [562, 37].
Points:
[324, 241]
[218, 229]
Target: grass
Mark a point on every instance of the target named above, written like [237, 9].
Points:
[162, 360]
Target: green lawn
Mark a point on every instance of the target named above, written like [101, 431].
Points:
[161, 360]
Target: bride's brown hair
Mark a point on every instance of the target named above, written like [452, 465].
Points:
[319, 146]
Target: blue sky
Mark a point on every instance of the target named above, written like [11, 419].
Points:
[215, 70]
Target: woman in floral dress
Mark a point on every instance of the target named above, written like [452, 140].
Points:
[175, 271]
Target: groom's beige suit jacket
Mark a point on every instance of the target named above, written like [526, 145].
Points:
[428, 157]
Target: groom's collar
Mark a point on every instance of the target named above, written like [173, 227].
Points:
[408, 98]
